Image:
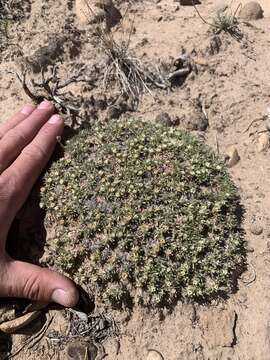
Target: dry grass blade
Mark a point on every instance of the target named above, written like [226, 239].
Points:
[224, 21]
[228, 22]
[131, 76]
[129, 73]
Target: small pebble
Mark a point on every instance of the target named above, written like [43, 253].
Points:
[113, 112]
[251, 11]
[263, 143]
[250, 249]
[81, 351]
[81, 315]
[154, 355]
[189, 2]
[165, 119]
[256, 229]
[232, 156]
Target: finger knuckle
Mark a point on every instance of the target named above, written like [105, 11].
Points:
[16, 136]
[32, 289]
[9, 188]
[35, 152]
[3, 186]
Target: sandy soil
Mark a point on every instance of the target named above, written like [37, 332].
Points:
[234, 85]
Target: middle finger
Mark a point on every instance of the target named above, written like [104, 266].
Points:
[15, 140]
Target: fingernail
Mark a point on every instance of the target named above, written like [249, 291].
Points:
[45, 105]
[55, 119]
[61, 297]
[28, 109]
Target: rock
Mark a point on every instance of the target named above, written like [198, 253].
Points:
[10, 327]
[96, 12]
[263, 142]
[250, 249]
[189, 2]
[196, 120]
[165, 119]
[78, 350]
[251, 11]
[81, 315]
[198, 60]
[100, 104]
[232, 157]
[256, 229]
[113, 112]
[113, 17]
[104, 4]
[154, 355]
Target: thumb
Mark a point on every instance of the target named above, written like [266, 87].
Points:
[29, 281]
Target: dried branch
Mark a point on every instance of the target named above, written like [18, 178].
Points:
[49, 89]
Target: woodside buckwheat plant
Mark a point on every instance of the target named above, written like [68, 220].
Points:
[143, 213]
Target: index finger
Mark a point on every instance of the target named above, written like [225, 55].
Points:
[25, 170]
[17, 138]
[16, 119]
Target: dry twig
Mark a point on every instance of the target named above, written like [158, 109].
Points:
[50, 89]
[253, 122]
[252, 278]
[32, 341]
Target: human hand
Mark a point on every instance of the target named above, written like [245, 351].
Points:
[27, 142]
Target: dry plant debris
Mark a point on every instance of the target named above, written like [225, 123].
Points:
[51, 88]
[143, 214]
[225, 21]
[31, 341]
[94, 329]
[131, 75]
[98, 327]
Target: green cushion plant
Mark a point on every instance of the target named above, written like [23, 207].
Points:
[143, 213]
